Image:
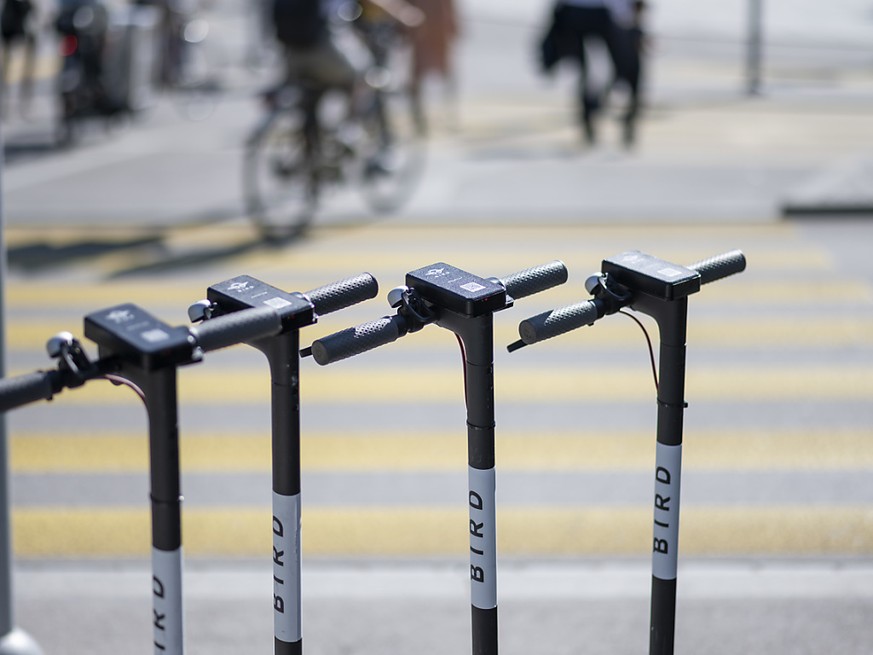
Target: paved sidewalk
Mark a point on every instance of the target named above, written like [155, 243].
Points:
[706, 151]
[373, 608]
[845, 189]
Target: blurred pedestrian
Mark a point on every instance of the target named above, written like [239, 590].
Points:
[18, 26]
[575, 25]
[432, 45]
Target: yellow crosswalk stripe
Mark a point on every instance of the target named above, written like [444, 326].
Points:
[24, 335]
[396, 249]
[503, 261]
[387, 236]
[754, 450]
[170, 302]
[442, 531]
[423, 386]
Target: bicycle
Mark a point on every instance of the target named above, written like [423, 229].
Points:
[296, 310]
[658, 289]
[304, 146]
[464, 304]
[140, 351]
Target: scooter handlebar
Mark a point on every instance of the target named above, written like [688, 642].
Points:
[720, 266]
[235, 328]
[28, 388]
[359, 339]
[535, 279]
[557, 321]
[343, 293]
[564, 319]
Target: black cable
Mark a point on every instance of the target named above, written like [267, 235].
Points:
[648, 341]
[120, 381]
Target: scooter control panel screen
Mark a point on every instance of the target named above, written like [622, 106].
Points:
[456, 290]
[246, 292]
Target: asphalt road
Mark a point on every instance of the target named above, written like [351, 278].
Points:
[776, 532]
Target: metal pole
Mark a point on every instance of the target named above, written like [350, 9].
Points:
[479, 373]
[162, 403]
[477, 336]
[672, 321]
[755, 51]
[282, 354]
[12, 640]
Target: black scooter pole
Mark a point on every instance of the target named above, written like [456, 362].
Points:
[671, 319]
[464, 304]
[296, 310]
[659, 289]
[476, 337]
[148, 353]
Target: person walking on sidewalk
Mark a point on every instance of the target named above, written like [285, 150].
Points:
[575, 24]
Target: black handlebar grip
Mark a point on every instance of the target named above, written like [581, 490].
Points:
[535, 279]
[235, 328]
[26, 389]
[359, 339]
[557, 321]
[343, 293]
[720, 266]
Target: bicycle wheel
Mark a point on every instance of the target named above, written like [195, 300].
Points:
[279, 184]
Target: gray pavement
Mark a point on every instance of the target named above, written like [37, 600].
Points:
[842, 189]
[706, 152]
[374, 608]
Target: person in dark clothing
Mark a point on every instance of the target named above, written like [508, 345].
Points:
[303, 28]
[577, 22]
[311, 52]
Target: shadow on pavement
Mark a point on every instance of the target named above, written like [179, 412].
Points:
[29, 147]
[151, 251]
[247, 241]
[206, 256]
[42, 255]
[173, 248]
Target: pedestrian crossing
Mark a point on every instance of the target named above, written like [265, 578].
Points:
[429, 451]
[443, 385]
[428, 531]
[779, 394]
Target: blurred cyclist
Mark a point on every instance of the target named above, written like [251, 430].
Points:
[312, 53]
